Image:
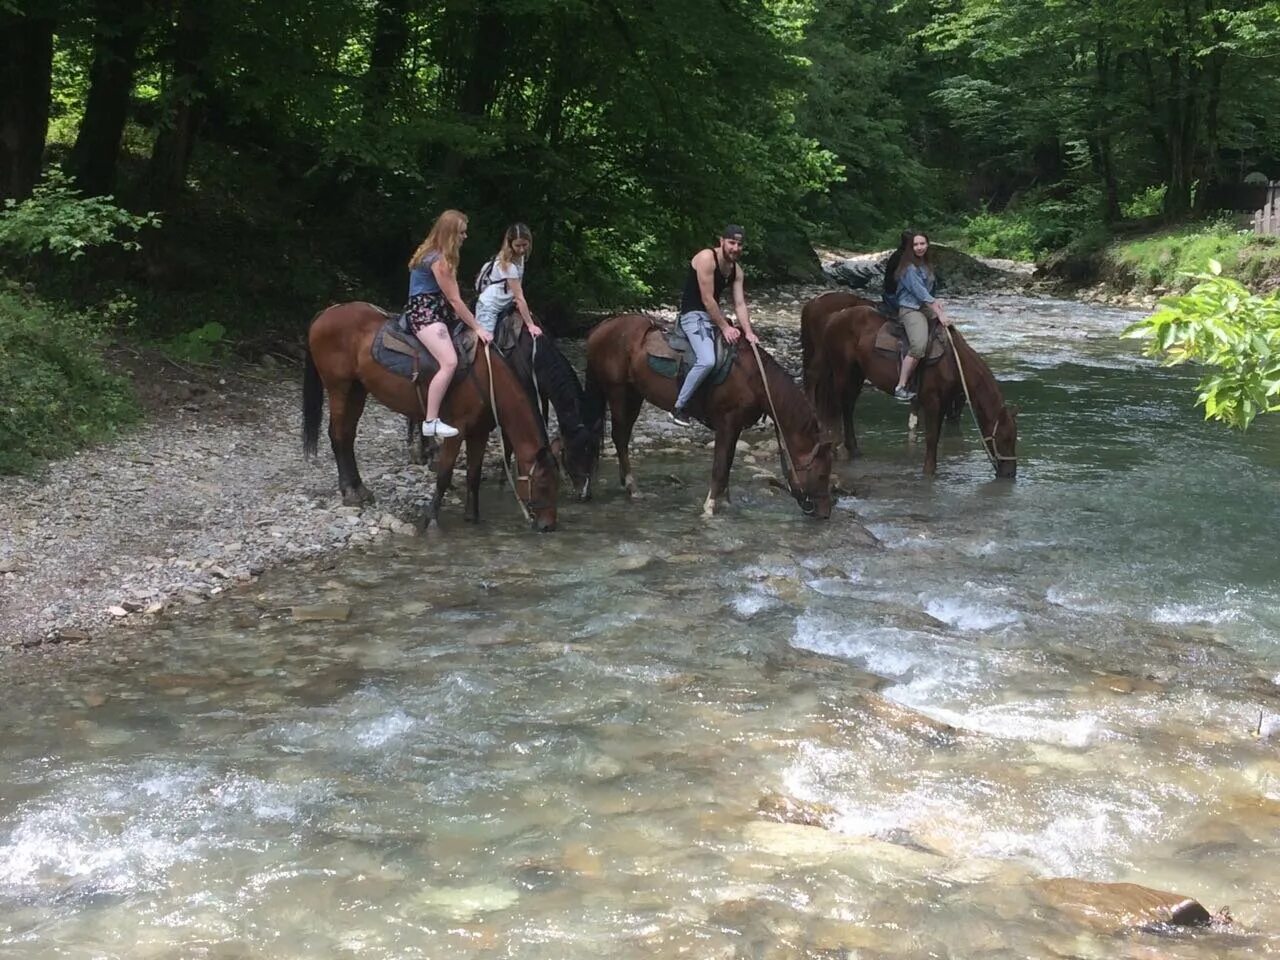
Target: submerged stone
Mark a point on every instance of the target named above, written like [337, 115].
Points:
[1117, 906]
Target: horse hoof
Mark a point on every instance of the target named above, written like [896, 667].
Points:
[352, 498]
[633, 494]
[366, 496]
[417, 456]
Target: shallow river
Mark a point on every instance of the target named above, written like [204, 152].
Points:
[567, 746]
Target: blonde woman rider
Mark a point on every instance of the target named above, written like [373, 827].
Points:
[435, 306]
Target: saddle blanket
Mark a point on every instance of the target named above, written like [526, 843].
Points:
[891, 338]
[671, 355]
[401, 353]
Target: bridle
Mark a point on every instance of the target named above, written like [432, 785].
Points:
[790, 466]
[527, 505]
[988, 442]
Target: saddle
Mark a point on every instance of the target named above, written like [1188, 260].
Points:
[400, 352]
[891, 338]
[671, 355]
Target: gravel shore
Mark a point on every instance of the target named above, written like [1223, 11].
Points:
[208, 495]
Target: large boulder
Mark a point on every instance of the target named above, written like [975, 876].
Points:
[957, 272]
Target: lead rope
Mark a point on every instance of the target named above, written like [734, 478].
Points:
[995, 457]
[502, 440]
[784, 452]
[534, 371]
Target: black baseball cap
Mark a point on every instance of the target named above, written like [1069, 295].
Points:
[733, 231]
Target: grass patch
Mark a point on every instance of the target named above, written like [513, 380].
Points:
[1170, 259]
[55, 391]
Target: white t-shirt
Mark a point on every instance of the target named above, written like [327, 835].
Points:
[496, 296]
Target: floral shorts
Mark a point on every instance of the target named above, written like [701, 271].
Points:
[425, 309]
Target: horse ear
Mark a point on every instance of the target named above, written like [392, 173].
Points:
[1015, 409]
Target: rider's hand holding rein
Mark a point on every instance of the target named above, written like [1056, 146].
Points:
[449, 287]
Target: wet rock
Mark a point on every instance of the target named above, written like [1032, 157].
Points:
[463, 903]
[321, 611]
[1119, 906]
[775, 806]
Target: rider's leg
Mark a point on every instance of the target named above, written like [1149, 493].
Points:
[435, 337]
[917, 326]
[697, 327]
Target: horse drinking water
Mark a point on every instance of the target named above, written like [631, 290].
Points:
[340, 362]
[838, 338]
[618, 369]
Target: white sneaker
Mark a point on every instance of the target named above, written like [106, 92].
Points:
[438, 428]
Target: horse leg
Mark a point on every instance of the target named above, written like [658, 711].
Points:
[850, 398]
[345, 408]
[417, 442]
[476, 443]
[932, 431]
[624, 408]
[444, 478]
[721, 463]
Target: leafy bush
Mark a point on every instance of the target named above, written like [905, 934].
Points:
[1036, 226]
[55, 393]
[203, 344]
[56, 218]
[1234, 333]
[1148, 202]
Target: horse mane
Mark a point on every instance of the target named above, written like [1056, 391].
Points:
[984, 389]
[795, 413]
[517, 385]
[559, 380]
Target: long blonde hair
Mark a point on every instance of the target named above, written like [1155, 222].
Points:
[445, 239]
[517, 231]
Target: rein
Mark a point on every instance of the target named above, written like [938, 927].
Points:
[988, 443]
[493, 403]
[784, 451]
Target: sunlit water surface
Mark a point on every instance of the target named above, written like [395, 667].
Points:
[557, 746]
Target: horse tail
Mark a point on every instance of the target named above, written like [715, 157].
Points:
[312, 406]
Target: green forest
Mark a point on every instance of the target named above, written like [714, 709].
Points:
[200, 171]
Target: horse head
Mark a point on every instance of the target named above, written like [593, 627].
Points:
[810, 481]
[542, 484]
[579, 453]
[1002, 445]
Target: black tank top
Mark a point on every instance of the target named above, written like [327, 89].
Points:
[691, 299]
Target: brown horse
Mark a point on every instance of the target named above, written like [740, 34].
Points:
[839, 347]
[339, 361]
[617, 369]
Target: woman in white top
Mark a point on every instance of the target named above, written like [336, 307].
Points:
[501, 284]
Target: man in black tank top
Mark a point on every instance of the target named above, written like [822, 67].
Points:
[710, 272]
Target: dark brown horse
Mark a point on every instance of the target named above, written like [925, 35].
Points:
[838, 339]
[618, 369]
[549, 378]
[339, 361]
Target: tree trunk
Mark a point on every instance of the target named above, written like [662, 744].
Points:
[184, 95]
[26, 76]
[1103, 153]
[118, 31]
[386, 58]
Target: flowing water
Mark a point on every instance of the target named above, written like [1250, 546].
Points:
[569, 745]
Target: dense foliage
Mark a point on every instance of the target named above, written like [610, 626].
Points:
[625, 133]
[1234, 334]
